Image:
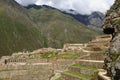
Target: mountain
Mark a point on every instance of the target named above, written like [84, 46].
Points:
[32, 28]
[59, 28]
[17, 31]
[94, 20]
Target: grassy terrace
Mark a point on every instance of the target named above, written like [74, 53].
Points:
[85, 67]
[60, 56]
[4, 79]
[5, 70]
[86, 77]
[60, 78]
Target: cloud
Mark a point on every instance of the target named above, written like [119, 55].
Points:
[80, 6]
[26, 2]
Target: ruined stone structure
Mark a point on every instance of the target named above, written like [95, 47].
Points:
[111, 26]
[30, 65]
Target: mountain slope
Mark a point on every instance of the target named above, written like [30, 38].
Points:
[93, 20]
[17, 32]
[32, 28]
[59, 28]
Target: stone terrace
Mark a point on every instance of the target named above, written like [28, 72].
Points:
[30, 66]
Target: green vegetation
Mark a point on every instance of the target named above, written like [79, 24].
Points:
[49, 55]
[95, 76]
[4, 79]
[68, 56]
[6, 70]
[85, 67]
[60, 28]
[95, 70]
[86, 77]
[60, 56]
[115, 56]
[60, 78]
[29, 29]
[17, 33]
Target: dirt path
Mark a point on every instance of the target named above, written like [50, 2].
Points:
[102, 74]
[99, 61]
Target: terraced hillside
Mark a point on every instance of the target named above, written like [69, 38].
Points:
[89, 65]
[73, 62]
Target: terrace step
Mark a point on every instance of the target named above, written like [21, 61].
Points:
[69, 75]
[91, 63]
[86, 70]
[11, 73]
[31, 77]
[95, 56]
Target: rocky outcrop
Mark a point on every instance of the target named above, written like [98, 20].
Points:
[111, 26]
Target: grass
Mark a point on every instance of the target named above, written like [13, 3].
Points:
[52, 55]
[68, 56]
[86, 77]
[16, 36]
[60, 78]
[49, 55]
[85, 67]
[95, 70]
[5, 70]
[4, 79]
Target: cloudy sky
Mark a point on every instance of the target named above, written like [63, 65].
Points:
[80, 6]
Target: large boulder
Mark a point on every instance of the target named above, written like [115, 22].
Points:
[111, 25]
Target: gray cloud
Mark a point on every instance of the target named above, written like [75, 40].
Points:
[80, 6]
[26, 2]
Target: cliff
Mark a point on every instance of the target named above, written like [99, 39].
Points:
[111, 26]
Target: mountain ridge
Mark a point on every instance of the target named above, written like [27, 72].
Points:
[88, 20]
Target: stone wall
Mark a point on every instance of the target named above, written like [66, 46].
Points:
[62, 64]
[69, 77]
[73, 47]
[95, 56]
[10, 74]
[30, 77]
[82, 71]
[94, 64]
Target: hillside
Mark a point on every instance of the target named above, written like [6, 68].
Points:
[17, 32]
[59, 28]
[32, 28]
[93, 20]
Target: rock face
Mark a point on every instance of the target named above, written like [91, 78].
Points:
[93, 20]
[111, 25]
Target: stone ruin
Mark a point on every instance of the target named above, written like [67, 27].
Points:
[21, 63]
